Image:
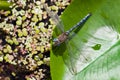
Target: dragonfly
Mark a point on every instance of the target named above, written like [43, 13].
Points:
[65, 36]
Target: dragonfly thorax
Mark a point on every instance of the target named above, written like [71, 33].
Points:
[60, 39]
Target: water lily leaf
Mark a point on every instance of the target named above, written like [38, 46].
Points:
[98, 41]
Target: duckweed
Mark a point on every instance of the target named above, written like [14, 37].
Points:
[27, 31]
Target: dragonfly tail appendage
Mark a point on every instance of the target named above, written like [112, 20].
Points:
[79, 23]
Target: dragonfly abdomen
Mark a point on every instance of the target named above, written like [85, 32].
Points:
[79, 23]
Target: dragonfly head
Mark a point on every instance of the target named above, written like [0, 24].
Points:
[56, 42]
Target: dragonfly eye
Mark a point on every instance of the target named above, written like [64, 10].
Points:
[55, 40]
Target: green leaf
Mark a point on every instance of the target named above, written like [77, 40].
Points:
[98, 41]
[4, 5]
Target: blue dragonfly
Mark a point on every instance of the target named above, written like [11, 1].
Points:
[65, 37]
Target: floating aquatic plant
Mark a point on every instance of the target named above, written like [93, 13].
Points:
[25, 34]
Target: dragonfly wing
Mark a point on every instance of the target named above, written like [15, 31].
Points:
[74, 56]
[55, 18]
[68, 60]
